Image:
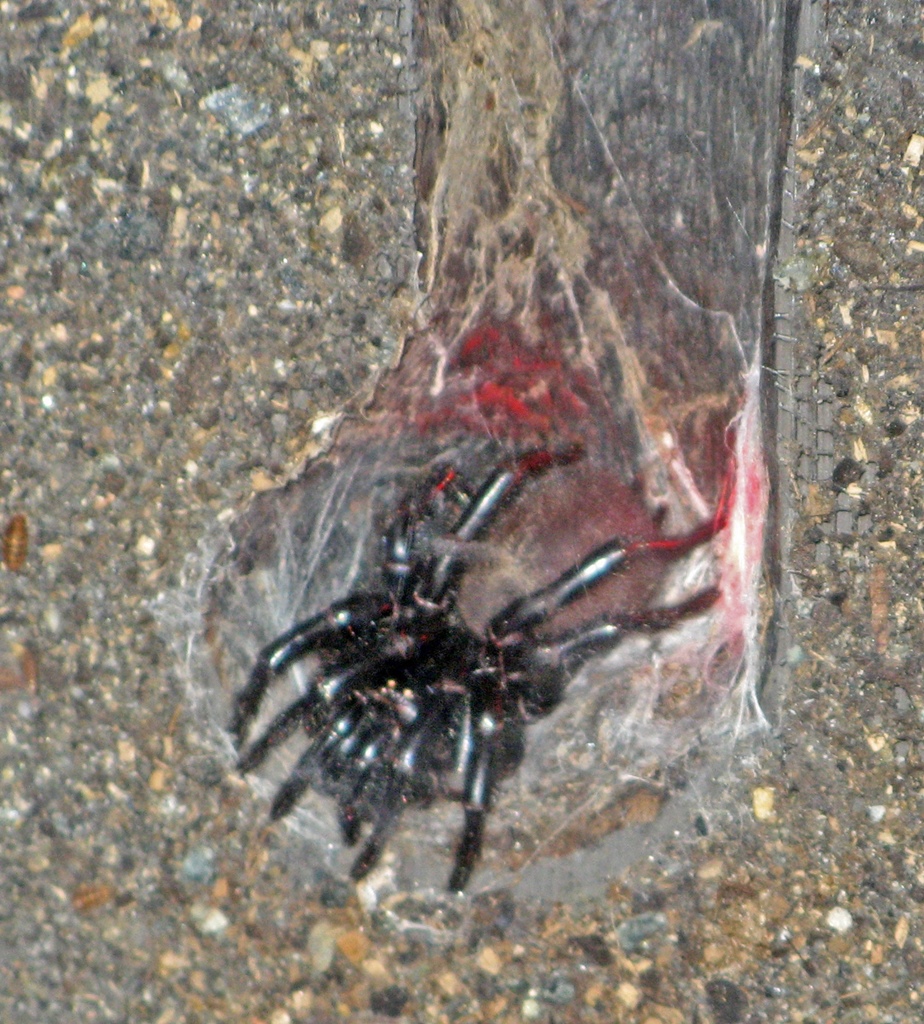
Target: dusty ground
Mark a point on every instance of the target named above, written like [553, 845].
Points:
[190, 278]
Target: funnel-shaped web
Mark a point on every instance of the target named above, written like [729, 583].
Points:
[595, 211]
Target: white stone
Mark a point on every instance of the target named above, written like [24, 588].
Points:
[839, 920]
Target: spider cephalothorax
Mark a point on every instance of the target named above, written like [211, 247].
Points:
[406, 702]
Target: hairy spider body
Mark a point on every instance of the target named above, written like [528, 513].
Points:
[406, 703]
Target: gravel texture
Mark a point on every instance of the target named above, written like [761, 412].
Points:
[208, 249]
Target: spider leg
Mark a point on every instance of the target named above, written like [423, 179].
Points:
[346, 753]
[350, 823]
[354, 809]
[386, 821]
[300, 778]
[278, 731]
[606, 635]
[408, 775]
[327, 690]
[469, 848]
[399, 550]
[479, 781]
[400, 775]
[355, 618]
[533, 609]
[315, 761]
[400, 568]
[483, 508]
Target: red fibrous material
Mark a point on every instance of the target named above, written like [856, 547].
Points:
[501, 386]
[595, 194]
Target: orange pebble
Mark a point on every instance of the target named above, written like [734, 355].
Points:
[15, 542]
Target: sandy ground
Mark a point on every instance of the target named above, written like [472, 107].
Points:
[207, 246]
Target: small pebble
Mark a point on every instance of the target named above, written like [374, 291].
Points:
[594, 947]
[628, 995]
[712, 869]
[913, 151]
[208, 920]
[531, 1009]
[10, 815]
[302, 999]
[795, 655]
[449, 983]
[375, 970]
[322, 944]
[354, 945]
[238, 110]
[389, 1002]
[762, 802]
[594, 995]
[728, 1001]
[839, 920]
[88, 896]
[489, 961]
[334, 894]
[634, 932]
[146, 546]
[52, 619]
[901, 751]
[199, 866]
[876, 813]
[558, 990]
[174, 75]
[331, 222]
